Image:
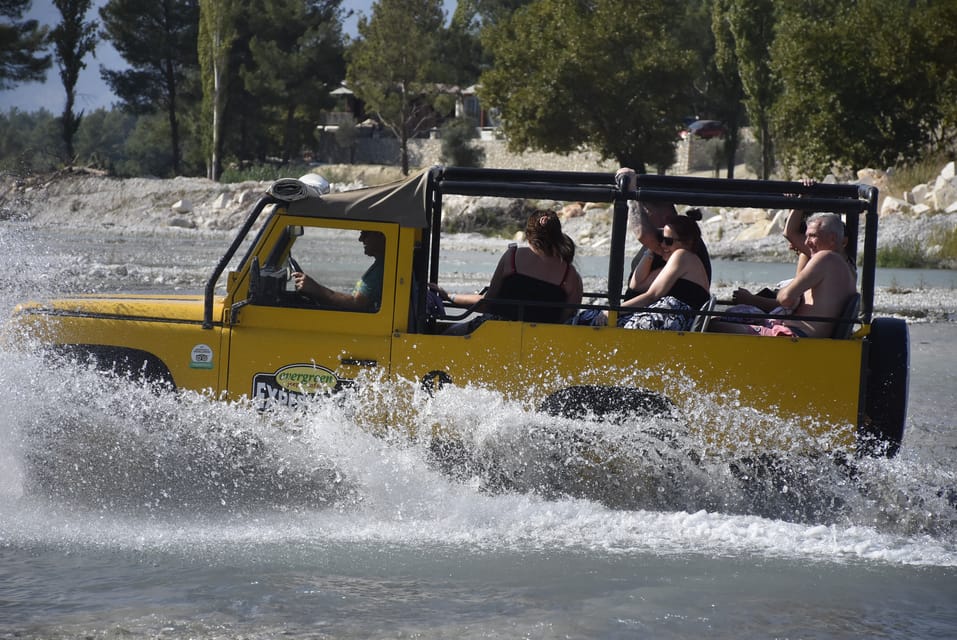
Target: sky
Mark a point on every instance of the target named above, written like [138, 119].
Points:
[91, 92]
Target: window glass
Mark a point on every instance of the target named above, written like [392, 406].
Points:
[349, 261]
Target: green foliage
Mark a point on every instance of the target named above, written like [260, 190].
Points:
[457, 150]
[719, 82]
[159, 42]
[22, 43]
[872, 100]
[101, 140]
[569, 74]
[217, 32]
[906, 254]
[296, 57]
[947, 241]
[393, 65]
[29, 142]
[73, 39]
[749, 27]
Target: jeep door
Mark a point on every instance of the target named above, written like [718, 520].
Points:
[284, 346]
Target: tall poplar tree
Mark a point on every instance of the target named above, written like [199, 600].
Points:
[158, 39]
[217, 32]
[392, 66]
[73, 39]
[22, 46]
[751, 24]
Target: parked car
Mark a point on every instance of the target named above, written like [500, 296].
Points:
[706, 129]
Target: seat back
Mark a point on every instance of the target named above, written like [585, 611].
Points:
[702, 321]
[844, 328]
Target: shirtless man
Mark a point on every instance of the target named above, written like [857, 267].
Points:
[820, 289]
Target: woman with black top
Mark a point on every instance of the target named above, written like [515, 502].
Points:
[682, 284]
[541, 272]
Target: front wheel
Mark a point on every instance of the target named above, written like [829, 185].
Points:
[888, 377]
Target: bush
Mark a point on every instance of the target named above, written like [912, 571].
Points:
[948, 245]
[457, 151]
[906, 177]
[907, 254]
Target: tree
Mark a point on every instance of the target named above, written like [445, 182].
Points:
[457, 149]
[392, 65]
[751, 25]
[296, 60]
[158, 39]
[22, 43]
[873, 100]
[217, 32]
[725, 88]
[72, 39]
[569, 74]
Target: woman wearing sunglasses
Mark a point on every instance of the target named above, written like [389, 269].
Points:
[681, 285]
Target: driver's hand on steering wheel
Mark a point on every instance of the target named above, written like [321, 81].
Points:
[305, 284]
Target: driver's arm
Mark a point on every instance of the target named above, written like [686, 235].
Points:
[322, 294]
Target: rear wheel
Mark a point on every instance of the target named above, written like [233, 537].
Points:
[885, 405]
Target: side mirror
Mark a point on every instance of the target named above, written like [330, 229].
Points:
[266, 285]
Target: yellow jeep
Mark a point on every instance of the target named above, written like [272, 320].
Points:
[251, 335]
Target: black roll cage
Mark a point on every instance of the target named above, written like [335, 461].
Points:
[850, 200]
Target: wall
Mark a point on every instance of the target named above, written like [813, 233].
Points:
[692, 155]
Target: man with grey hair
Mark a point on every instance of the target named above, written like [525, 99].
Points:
[820, 289]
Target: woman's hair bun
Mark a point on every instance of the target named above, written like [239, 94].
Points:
[694, 214]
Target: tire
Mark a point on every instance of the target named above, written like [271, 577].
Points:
[888, 377]
[605, 403]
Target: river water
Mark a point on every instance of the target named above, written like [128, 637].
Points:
[164, 525]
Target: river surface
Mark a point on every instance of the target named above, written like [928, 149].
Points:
[329, 532]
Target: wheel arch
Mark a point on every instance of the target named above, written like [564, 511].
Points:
[127, 362]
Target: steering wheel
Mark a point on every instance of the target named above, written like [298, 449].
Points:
[294, 267]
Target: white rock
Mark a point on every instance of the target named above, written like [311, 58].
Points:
[779, 222]
[748, 216]
[920, 193]
[756, 231]
[920, 209]
[221, 201]
[949, 171]
[892, 205]
[183, 206]
[869, 176]
[944, 194]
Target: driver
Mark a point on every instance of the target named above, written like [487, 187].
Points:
[366, 295]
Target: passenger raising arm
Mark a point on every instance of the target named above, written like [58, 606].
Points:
[821, 289]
